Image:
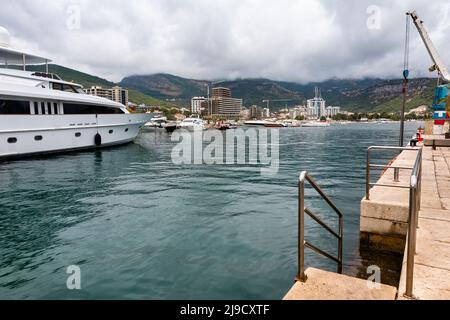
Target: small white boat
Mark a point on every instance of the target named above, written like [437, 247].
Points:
[257, 123]
[155, 122]
[314, 124]
[192, 124]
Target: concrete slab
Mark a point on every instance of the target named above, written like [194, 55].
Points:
[323, 285]
[431, 279]
[429, 283]
[433, 254]
[383, 226]
[436, 230]
[385, 209]
[436, 214]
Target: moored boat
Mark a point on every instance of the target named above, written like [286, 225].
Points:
[41, 113]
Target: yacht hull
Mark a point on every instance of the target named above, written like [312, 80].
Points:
[26, 135]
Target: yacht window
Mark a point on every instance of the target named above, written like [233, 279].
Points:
[38, 138]
[111, 131]
[55, 107]
[68, 88]
[14, 107]
[72, 108]
[37, 108]
[126, 130]
[12, 140]
[57, 86]
[78, 134]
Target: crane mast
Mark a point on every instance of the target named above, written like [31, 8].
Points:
[435, 57]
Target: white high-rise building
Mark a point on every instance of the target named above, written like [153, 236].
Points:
[333, 111]
[196, 104]
[298, 111]
[116, 94]
[317, 106]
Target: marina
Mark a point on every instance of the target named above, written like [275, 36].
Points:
[212, 167]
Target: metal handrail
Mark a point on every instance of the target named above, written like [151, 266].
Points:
[397, 169]
[414, 207]
[305, 177]
[415, 190]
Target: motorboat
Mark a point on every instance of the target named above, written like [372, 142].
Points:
[41, 113]
[156, 122]
[192, 124]
[313, 124]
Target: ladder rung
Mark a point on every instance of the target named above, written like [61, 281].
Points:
[319, 251]
[319, 221]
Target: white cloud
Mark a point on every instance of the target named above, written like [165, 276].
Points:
[308, 40]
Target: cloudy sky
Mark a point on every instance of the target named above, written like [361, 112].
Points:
[294, 40]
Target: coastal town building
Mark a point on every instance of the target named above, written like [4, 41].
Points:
[298, 111]
[222, 104]
[245, 114]
[317, 105]
[316, 108]
[196, 104]
[333, 111]
[117, 94]
[255, 112]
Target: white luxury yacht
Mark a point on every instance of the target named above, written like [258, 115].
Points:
[192, 123]
[41, 113]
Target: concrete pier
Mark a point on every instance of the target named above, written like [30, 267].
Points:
[384, 226]
[384, 218]
[432, 260]
[324, 285]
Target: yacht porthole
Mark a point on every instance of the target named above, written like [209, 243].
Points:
[78, 134]
[38, 138]
[126, 130]
[12, 140]
[111, 131]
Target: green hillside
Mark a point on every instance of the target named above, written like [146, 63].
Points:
[87, 80]
[166, 86]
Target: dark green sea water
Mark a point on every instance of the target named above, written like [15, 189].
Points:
[140, 227]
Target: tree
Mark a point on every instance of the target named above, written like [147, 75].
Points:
[300, 118]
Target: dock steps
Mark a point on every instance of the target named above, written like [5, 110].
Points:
[324, 285]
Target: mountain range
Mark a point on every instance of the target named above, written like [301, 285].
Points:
[364, 95]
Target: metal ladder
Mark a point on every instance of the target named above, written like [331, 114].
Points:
[305, 177]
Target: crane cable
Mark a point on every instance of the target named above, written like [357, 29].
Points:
[406, 59]
[405, 78]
